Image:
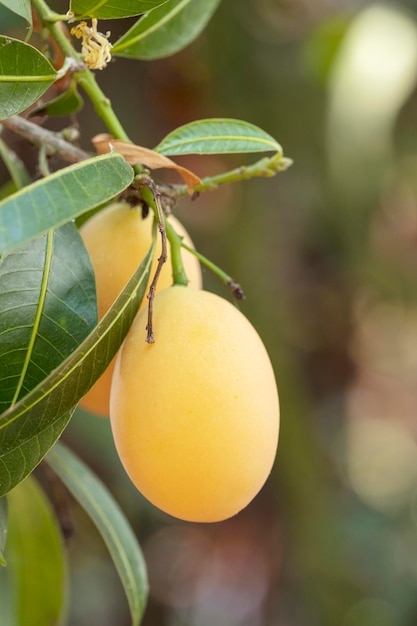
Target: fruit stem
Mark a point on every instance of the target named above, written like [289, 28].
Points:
[179, 277]
[235, 288]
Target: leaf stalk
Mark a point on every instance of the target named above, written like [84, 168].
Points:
[265, 167]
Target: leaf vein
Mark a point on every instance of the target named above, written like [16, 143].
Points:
[38, 315]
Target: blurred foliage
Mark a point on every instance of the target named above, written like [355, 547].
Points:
[326, 254]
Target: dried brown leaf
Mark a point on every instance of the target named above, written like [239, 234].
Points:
[134, 154]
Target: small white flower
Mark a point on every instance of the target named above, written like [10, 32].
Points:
[95, 46]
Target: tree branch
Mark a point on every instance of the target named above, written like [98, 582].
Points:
[53, 142]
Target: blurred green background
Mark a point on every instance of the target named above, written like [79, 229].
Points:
[327, 255]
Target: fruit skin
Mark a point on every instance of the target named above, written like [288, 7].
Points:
[117, 239]
[195, 416]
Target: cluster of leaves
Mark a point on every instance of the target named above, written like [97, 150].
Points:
[164, 27]
[52, 349]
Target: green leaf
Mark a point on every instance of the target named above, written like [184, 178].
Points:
[7, 189]
[217, 136]
[21, 452]
[121, 542]
[60, 197]
[32, 425]
[112, 9]
[166, 30]
[25, 74]
[20, 7]
[47, 308]
[66, 103]
[36, 557]
[3, 528]
[15, 166]
[8, 615]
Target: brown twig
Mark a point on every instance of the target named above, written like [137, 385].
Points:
[54, 142]
[152, 195]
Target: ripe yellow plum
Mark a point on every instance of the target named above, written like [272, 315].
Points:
[117, 239]
[195, 415]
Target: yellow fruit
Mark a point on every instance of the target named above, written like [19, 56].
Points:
[117, 239]
[195, 416]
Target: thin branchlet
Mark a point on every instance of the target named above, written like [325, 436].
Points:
[147, 184]
[54, 142]
[236, 290]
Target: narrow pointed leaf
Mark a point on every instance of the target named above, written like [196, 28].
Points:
[166, 30]
[36, 557]
[47, 308]
[7, 189]
[112, 9]
[217, 136]
[110, 521]
[20, 7]
[8, 615]
[14, 165]
[66, 103]
[61, 197]
[32, 425]
[3, 528]
[25, 74]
